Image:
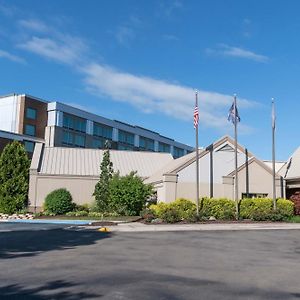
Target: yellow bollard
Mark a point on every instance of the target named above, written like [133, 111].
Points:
[103, 229]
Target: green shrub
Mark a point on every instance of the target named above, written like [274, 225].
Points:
[95, 214]
[221, 208]
[59, 202]
[128, 194]
[14, 178]
[285, 207]
[77, 213]
[147, 214]
[83, 207]
[180, 209]
[261, 209]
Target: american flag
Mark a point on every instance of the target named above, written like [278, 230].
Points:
[196, 115]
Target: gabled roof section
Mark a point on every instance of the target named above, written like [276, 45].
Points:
[278, 164]
[184, 161]
[86, 162]
[291, 168]
[250, 161]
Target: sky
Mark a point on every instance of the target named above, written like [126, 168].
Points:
[141, 61]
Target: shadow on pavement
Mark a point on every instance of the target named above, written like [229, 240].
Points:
[25, 243]
[49, 290]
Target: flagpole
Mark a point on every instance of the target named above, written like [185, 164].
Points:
[236, 190]
[273, 154]
[197, 161]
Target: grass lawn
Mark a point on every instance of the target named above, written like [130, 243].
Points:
[294, 219]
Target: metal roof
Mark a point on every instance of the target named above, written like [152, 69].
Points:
[291, 169]
[86, 162]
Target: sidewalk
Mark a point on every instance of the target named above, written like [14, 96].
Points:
[139, 227]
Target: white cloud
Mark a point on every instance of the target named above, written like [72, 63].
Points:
[226, 50]
[67, 50]
[12, 57]
[152, 95]
[33, 24]
[147, 94]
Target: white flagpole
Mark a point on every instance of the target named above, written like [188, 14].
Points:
[273, 154]
[236, 190]
[197, 159]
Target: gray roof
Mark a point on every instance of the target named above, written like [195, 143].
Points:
[278, 164]
[86, 162]
[172, 167]
[291, 169]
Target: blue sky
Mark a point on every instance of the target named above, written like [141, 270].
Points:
[140, 62]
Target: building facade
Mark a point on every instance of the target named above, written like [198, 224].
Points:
[61, 125]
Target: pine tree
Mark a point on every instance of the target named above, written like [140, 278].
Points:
[14, 178]
[101, 192]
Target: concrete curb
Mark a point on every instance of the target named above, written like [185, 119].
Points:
[139, 227]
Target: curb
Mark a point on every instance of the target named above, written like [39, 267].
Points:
[138, 227]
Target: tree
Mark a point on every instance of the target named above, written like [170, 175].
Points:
[101, 191]
[14, 178]
[128, 194]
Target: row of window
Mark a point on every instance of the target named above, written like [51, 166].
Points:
[73, 139]
[103, 133]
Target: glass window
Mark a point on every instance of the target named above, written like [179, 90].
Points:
[162, 147]
[31, 113]
[103, 131]
[126, 137]
[29, 146]
[98, 143]
[146, 144]
[74, 123]
[178, 152]
[124, 147]
[79, 141]
[67, 138]
[30, 129]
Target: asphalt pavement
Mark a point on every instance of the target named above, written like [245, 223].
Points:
[56, 262]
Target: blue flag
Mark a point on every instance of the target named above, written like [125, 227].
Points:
[233, 115]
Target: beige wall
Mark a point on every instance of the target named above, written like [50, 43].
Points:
[81, 188]
[260, 181]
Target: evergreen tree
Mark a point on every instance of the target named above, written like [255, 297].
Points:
[101, 192]
[14, 178]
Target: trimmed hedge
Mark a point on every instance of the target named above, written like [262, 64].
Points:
[59, 202]
[261, 209]
[221, 208]
[180, 209]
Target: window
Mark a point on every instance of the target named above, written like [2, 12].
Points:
[103, 131]
[146, 144]
[178, 152]
[124, 147]
[30, 129]
[98, 144]
[254, 195]
[74, 123]
[31, 113]
[126, 137]
[67, 138]
[29, 146]
[79, 141]
[101, 143]
[73, 139]
[162, 147]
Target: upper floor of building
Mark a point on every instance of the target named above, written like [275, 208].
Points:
[64, 125]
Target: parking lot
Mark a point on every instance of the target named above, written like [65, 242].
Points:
[55, 262]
